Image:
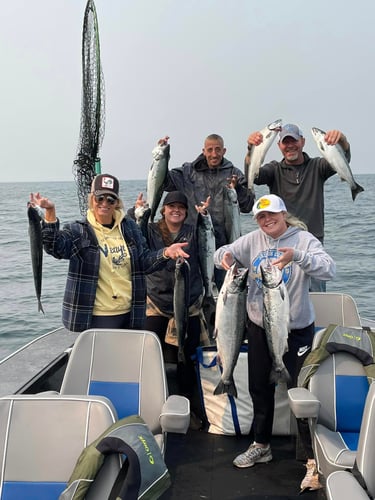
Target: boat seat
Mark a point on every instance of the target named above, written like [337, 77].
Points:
[41, 438]
[127, 366]
[343, 485]
[334, 308]
[334, 401]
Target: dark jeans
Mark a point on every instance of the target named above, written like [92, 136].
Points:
[186, 376]
[262, 392]
[118, 321]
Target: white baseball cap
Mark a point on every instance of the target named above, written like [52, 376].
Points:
[269, 203]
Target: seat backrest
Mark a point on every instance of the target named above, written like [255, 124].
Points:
[126, 366]
[41, 438]
[334, 308]
[366, 446]
[341, 385]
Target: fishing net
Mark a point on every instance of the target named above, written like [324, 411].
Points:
[87, 163]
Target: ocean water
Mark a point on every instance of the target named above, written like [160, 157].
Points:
[349, 238]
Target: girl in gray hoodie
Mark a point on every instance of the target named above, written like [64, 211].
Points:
[283, 241]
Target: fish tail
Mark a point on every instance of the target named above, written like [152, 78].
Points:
[223, 388]
[181, 356]
[358, 189]
[40, 307]
[280, 376]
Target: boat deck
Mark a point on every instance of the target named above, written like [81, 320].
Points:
[201, 467]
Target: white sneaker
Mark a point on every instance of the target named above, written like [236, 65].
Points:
[255, 454]
[311, 480]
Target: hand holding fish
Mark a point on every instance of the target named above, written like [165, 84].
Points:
[202, 208]
[41, 201]
[254, 139]
[163, 141]
[227, 261]
[36, 199]
[333, 137]
[232, 181]
[176, 250]
[286, 257]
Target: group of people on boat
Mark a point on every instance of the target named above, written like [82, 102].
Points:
[119, 277]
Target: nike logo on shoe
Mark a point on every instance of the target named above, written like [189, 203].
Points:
[303, 350]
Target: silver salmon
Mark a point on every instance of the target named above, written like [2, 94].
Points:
[230, 324]
[157, 176]
[275, 319]
[206, 249]
[181, 301]
[258, 153]
[335, 156]
[36, 248]
[232, 221]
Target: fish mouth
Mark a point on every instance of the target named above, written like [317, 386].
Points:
[276, 126]
[316, 130]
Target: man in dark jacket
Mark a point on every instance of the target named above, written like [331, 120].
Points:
[207, 176]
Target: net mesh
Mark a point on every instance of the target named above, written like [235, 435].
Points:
[87, 163]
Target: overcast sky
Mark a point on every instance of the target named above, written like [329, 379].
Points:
[184, 69]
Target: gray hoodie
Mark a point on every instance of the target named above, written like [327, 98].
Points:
[310, 259]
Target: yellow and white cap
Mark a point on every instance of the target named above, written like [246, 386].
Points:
[269, 203]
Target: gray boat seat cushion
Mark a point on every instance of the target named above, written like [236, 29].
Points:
[127, 367]
[337, 308]
[41, 438]
[343, 485]
[336, 376]
[340, 385]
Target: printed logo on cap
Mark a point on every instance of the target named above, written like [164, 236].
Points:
[263, 203]
[107, 182]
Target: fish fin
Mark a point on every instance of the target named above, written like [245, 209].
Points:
[40, 307]
[181, 356]
[279, 376]
[223, 388]
[358, 189]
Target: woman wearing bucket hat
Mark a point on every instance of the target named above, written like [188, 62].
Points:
[283, 241]
[108, 258]
[160, 313]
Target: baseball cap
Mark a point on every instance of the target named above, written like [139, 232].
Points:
[269, 203]
[175, 197]
[290, 130]
[105, 184]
